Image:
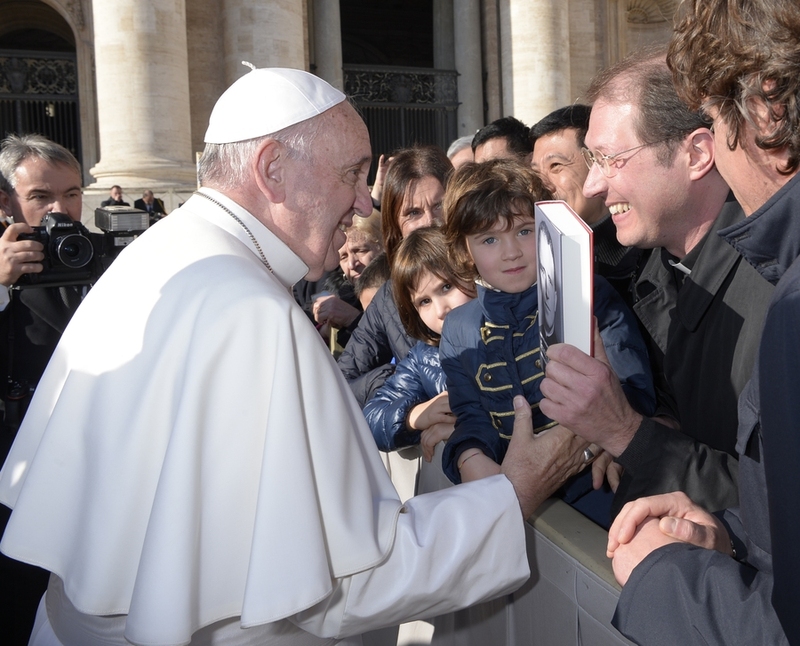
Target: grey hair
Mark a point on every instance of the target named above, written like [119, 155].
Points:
[15, 149]
[227, 166]
[460, 144]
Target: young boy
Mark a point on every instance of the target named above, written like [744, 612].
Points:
[490, 347]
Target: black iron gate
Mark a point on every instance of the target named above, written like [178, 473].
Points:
[404, 106]
[39, 94]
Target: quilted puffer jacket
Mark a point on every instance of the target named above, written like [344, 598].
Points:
[418, 378]
[380, 337]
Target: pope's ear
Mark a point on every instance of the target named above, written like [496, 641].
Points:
[270, 170]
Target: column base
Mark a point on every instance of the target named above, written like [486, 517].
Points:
[152, 173]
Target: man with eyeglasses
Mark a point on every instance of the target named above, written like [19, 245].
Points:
[732, 578]
[652, 160]
[557, 142]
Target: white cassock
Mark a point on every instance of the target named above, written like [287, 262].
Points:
[193, 466]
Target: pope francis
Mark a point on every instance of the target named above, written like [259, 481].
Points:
[193, 467]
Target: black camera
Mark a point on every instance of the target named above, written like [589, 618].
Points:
[68, 252]
[75, 256]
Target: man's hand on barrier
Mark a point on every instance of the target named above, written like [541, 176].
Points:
[646, 538]
[679, 519]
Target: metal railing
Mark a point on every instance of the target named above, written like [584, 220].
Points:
[39, 94]
[404, 105]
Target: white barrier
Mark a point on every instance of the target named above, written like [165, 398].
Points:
[569, 599]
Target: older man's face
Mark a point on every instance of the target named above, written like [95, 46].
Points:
[357, 253]
[324, 193]
[558, 161]
[42, 187]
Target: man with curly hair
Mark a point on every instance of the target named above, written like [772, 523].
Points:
[689, 576]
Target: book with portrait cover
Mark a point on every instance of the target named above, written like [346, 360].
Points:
[565, 255]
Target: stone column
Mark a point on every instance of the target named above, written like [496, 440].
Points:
[467, 30]
[142, 94]
[207, 79]
[535, 51]
[446, 87]
[491, 58]
[328, 42]
[443, 35]
[267, 34]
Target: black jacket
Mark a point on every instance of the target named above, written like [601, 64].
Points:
[112, 202]
[380, 337]
[682, 594]
[702, 338]
[612, 261]
[31, 326]
[156, 207]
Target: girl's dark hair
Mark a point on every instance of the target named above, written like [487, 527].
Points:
[408, 165]
[422, 250]
[479, 196]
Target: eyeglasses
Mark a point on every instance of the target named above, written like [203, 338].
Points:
[607, 163]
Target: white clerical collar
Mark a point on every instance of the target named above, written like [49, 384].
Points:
[286, 265]
[680, 267]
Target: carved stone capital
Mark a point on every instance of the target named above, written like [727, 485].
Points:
[650, 11]
[75, 9]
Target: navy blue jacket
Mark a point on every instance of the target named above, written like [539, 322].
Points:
[418, 378]
[490, 353]
[380, 337]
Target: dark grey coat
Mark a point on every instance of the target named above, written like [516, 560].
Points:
[703, 340]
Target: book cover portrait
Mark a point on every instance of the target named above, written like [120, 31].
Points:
[565, 277]
[550, 281]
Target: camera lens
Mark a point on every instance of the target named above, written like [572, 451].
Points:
[73, 250]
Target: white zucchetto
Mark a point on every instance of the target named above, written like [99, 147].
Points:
[267, 100]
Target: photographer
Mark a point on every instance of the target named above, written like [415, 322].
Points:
[37, 177]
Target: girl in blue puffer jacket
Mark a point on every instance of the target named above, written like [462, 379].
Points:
[412, 406]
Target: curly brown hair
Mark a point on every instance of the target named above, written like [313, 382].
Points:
[728, 54]
[481, 195]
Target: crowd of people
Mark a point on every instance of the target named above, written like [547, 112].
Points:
[193, 466]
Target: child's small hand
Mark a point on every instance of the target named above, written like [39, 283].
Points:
[433, 411]
[380, 175]
[432, 436]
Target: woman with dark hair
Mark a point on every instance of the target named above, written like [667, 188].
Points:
[413, 191]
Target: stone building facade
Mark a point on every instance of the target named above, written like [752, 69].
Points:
[146, 73]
